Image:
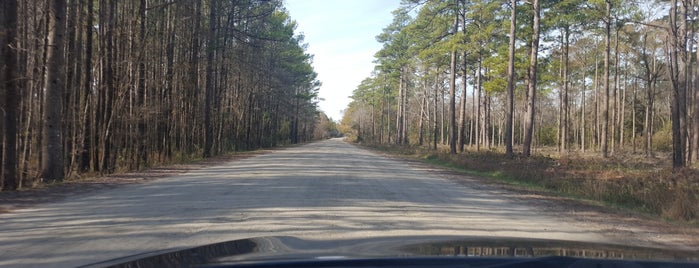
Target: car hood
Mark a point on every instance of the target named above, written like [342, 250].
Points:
[284, 248]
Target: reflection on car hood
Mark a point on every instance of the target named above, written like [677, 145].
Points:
[278, 248]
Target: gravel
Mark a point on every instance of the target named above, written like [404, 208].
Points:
[322, 190]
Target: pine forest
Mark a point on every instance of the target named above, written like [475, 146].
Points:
[93, 87]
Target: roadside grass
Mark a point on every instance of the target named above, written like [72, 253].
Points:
[625, 181]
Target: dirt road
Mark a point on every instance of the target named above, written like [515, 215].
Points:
[322, 190]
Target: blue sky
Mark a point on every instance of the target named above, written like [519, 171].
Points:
[341, 36]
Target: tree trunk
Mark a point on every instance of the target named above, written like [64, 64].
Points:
[633, 118]
[531, 90]
[615, 99]
[399, 111]
[142, 154]
[622, 109]
[510, 106]
[192, 91]
[442, 115]
[208, 95]
[421, 125]
[650, 68]
[406, 126]
[583, 129]
[436, 125]
[595, 92]
[695, 138]
[485, 119]
[462, 120]
[472, 125]
[479, 108]
[72, 97]
[648, 122]
[53, 166]
[109, 90]
[605, 107]
[9, 88]
[452, 97]
[88, 138]
[565, 121]
[678, 104]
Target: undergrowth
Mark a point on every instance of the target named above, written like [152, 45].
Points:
[625, 181]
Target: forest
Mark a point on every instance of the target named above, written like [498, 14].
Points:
[602, 77]
[92, 87]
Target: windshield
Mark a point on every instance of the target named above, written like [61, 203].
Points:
[142, 126]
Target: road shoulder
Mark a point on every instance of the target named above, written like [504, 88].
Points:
[45, 194]
[632, 227]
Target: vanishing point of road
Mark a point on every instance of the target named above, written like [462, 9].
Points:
[323, 190]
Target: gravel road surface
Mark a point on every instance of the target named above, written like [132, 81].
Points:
[323, 190]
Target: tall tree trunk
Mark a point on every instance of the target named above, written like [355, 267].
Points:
[436, 125]
[382, 120]
[566, 88]
[615, 99]
[510, 106]
[622, 108]
[605, 107]
[688, 13]
[595, 90]
[462, 120]
[110, 87]
[208, 95]
[485, 119]
[649, 66]
[192, 91]
[421, 119]
[678, 105]
[695, 138]
[583, 129]
[405, 127]
[633, 118]
[88, 138]
[472, 125]
[648, 122]
[487, 122]
[142, 154]
[487, 131]
[693, 93]
[452, 96]
[53, 166]
[479, 108]
[71, 99]
[9, 88]
[442, 115]
[531, 90]
[399, 110]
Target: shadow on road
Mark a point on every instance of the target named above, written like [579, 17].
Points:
[326, 189]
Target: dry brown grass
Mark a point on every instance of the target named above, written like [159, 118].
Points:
[629, 181]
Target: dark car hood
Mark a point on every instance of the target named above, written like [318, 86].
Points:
[265, 249]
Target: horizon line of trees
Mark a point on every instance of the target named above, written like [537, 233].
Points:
[100, 86]
[607, 76]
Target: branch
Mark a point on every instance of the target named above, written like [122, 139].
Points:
[648, 24]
